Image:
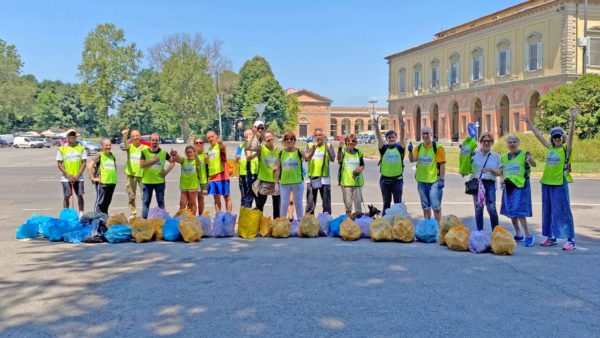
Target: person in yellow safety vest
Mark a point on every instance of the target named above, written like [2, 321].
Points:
[133, 170]
[202, 173]
[189, 181]
[248, 171]
[391, 164]
[71, 160]
[557, 218]
[268, 171]
[350, 176]
[103, 174]
[318, 172]
[218, 171]
[153, 162]
[431, 169]
[516, 192]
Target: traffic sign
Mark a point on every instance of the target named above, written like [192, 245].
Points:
[472, 130]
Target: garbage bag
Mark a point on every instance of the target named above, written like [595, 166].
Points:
[334, 226]
[249, 222]
[294, 225]
[142, 230]
[117, 219]
[224, 224]
[503, 242]
[396, 210]
[206, 227]
[77, 236]
[457, 238]
[266, 225]
[118, 234]
[324, 220]
[42, 221]
[478, 242]
[158, 228]
[58, 227]
[426, 231]
[158, 213]
[88, 217]
[29, 229]
[349, 230]
[171, 230]
[403, 229]
[190, 229]
[97, 230]
[184, 213]
[69, 215]
[381, 230]
[364, 222]
[309, 226]
[447, 223]
[281, 228]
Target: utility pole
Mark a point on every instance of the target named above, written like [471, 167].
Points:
[218, 103]
[585, 36]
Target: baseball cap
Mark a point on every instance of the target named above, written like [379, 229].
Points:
[258, 124]
[71, 131]
[557, 131]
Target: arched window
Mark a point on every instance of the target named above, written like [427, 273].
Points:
[534, 51]
[503, 58]
[435, 74]
[477, 64]
[454, 71]
[418, 77]
[402, 80]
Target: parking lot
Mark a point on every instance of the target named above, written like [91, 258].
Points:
[287, 287]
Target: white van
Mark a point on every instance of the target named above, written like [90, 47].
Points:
[27, 142]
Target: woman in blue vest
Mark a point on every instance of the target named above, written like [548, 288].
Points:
[557, 219]
[516, 193]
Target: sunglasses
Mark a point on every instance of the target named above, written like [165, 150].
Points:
[198, 142]
[424, 133]
[289, 139]
[351, 141]
[260, 128]
[486, 141]
[154, 141]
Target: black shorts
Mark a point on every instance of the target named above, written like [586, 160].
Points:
[77, 187]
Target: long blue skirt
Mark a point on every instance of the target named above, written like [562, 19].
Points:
[516, 202]
[557, 219]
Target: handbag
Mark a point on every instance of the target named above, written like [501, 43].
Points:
[472, 185]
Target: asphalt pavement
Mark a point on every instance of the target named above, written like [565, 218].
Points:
[288, 287]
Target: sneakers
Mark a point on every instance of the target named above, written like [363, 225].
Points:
[519, 238]
[529, 241]
[569, 245]
[549, 242]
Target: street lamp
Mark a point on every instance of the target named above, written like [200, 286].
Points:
[260, 109]
[374, 115]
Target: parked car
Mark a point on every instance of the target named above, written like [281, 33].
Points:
[91, 147]
[3, 143]
[44, 141]
[8, 138]
[167, 140]
[27, 142]
[179, 140]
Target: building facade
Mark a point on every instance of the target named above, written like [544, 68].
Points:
[492, 69]
[316, 111]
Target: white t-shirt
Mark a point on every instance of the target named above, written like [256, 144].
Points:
[60, 158]
[479, 159]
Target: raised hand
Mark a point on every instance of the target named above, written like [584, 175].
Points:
[575, 111]
[125, 131]
[524, 118]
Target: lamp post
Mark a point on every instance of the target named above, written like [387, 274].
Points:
[374, 115]
[260, 109]
[237, 126]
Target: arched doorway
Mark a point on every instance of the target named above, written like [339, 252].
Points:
[454, 121]
[476, 111]
[345, 127]
[418, 123]
[503, 113]
[435, 118]
[534, 106]
[303, 127]
[359, 126]
[385, 124]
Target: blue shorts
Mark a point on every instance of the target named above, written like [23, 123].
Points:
[431, 196]
[218, 188]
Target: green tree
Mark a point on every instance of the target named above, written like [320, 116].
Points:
[47, 112]
[291, 113]
[108, 64]
[187, 89]
[556, 105]
[266, 90]
[252, 70]
[228, 82]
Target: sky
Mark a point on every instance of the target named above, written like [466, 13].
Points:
[334, 48]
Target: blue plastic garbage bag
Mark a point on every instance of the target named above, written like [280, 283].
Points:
[58, 227]
[206, 228]
[294, 228]
[77, 236]
[364, 223]
[171, 230]
[42, 222]
[29, 229]
[69, 215]
[224, 224]
[426, 231]
[118, 234]
[324, 220]
[334, 226]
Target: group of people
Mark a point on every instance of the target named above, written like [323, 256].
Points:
[268, 170]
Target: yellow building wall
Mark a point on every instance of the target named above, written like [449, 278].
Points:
[593, 20]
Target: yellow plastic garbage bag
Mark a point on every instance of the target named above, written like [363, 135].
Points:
[281, 228]
[158, 228]
[117, 219]
[309, 226]
[503, 242]
[266, 225]
[349, 230]
[184, 213]
[142, 230]
[403, 229]
[381, 230]
[249, 222]
[190, 229]
[446, 223]
[457, 238]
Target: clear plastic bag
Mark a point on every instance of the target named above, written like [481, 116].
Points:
[381, 230]
[324, 220]
[479, 242]
[364, 223]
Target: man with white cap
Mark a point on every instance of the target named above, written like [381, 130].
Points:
[71, 159]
